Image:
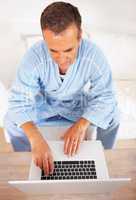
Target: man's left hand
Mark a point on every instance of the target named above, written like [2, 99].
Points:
[74, 136]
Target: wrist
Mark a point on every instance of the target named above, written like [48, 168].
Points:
[32, 132]
[84, 123]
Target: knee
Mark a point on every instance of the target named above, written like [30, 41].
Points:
[15, 135]
[7, 122]
[11, 127]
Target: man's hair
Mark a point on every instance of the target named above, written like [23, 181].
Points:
[58, 16]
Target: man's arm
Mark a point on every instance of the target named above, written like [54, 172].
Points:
[100, 97]
[100, 104]
[31, 131]
[41, 152]
[22, 108]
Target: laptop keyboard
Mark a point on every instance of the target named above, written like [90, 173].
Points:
[83, 169]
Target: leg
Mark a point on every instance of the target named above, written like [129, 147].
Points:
[108, 136]
[16, 135]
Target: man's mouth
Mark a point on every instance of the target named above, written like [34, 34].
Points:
[64, 64]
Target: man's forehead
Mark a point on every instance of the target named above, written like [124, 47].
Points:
[60, 42]
[70, 33]
[71, 29]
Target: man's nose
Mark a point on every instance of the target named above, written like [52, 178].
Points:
[61, 57]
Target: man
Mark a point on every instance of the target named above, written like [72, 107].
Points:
[50, 84]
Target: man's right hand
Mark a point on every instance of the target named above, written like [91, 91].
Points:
[42, 155]
[41, 152]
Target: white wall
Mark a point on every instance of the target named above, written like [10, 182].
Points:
[111, 23]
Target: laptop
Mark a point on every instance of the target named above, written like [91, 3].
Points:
[85, 172]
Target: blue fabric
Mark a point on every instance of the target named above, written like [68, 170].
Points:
[55, 121]
[39, 93]
[108, 137]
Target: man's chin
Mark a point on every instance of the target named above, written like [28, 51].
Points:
[64, 66]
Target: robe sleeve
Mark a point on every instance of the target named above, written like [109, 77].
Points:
[24, 89]
[100, 96]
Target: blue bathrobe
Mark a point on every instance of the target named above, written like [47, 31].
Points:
[39, 93]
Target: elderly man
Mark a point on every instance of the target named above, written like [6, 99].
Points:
[50, 86]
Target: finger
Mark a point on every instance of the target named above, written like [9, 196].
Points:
[36, 162]
[62, 137]
[46, 166]
[51, 164]
[74, 147]
[78, 145]
[39, 163]
[71, 146]
[66, 143]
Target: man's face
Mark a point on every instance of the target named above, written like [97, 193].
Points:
[63, 46]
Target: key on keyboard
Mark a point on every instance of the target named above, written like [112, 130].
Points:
[83, 169]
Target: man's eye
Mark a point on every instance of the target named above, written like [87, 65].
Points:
[53, 51]
[68, 50]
